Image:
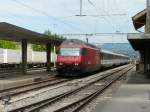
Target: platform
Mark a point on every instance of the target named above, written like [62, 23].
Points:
[133, 96]
[19, 79]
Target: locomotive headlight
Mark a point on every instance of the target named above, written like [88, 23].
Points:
[60, 63]
[76, 64]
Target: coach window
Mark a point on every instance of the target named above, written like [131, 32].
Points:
[83, 51]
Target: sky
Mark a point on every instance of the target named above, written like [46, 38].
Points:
[102, 16]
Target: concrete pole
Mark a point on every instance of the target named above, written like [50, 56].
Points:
[148, 3]
[48, 56]
[55, 56]
[24, 56]
[80, 7]
[147, 30]
[147, 27]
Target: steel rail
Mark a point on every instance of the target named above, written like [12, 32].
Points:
[30, 87]
[16, 70]
[84, 101]
[36, 106]
[13, 91]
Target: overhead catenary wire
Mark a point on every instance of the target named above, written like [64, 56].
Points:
[96, 34]
[54, 18]
[69, 24]
[47, 15]
[26, 6]
[110, 37]
[107, 14]
[126, 18]
[104, 17]
[92, 3]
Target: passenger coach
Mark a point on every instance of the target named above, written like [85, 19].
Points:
[76, 56]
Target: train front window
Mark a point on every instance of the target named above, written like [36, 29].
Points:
[69, 51]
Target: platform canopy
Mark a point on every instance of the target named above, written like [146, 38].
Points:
[139, 41]
[16, 33]
[25, 36]
[139, 20]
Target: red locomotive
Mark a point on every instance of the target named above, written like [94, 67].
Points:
[78, 56]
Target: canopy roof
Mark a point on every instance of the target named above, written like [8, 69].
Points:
[16, 33]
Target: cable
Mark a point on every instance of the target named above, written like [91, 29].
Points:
[45, 14]
[92, 3]
[98, 13]
[34, 9]
[107, 20]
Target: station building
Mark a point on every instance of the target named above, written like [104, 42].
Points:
[141, 41]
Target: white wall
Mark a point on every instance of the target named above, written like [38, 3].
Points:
[14, 56]
[1, 56]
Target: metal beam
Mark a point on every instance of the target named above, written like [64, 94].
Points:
[80, 7]
[24, 56]
[48, 56]
[96, 34]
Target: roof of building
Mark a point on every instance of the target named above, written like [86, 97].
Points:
[16, 33]
[139, 41]
[139, 20]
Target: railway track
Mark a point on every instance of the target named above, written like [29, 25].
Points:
[10, 73]
[79, 104]
[75, 106]
[16, 70]
[30, 87]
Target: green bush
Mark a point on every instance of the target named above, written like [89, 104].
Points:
[41, 48]
[8, 44]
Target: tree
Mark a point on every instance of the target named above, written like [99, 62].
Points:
[43, 47]
[48, 32]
